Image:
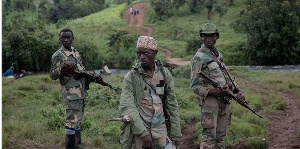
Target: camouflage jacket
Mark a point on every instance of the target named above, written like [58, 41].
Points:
[71, 88]
[202, 62]
[131, 97]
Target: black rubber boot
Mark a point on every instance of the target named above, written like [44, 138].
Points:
[78, 140]
[70, 141]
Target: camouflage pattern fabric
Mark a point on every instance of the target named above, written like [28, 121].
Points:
[159, 143]
[71, 88]
[74, 113]
[151, 107]
[215, 115]
[131, 99]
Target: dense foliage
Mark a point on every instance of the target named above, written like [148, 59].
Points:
[273, 33]
[70, 9]
[27, 47]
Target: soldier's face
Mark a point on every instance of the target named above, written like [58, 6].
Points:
[209, 40]
[146, 56]
[66, 39]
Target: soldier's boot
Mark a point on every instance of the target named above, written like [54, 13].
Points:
[70, 141]
[78, 140]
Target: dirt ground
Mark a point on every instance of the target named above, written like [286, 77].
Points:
[283, 124]
[136, 25]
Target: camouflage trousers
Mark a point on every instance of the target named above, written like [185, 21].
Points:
[215, 118]
[159, 143]
[74, 112]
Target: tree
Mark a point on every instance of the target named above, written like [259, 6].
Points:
[209, 4]
[272, 29]
[221, 11]
[161, 8]
[120, 39]
[193, 45]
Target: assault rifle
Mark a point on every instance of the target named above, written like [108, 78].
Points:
[89, 78]
[234, 97]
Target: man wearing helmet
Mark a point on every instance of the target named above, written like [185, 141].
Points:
[215, 110]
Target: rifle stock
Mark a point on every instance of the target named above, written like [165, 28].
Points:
[234, 97]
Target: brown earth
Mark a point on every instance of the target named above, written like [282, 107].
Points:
[136, 25]
[284, 125]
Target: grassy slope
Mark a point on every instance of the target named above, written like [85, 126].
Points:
[32, 110]
[188, 28]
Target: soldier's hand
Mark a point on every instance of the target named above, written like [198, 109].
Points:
[241, 96]
[69, 67]
[147, 142]
[225, 91]
[99, 79]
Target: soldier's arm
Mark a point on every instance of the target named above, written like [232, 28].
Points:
[172, 108]
[56, 66]
[197, 82]
[128, 107]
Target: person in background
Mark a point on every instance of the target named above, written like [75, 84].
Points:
[23, 73]
[9, 73]
[148, 96]
[106, 69]
[131, 10]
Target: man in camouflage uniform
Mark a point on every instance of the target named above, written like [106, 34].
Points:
[142, 98]
[215, 112]
[64, 61]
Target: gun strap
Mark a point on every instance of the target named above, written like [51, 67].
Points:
[164, 98]
[216, 60]
[222, 67]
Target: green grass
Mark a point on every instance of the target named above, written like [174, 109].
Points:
[33, 110]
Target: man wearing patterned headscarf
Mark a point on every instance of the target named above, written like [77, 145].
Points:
[148, 97]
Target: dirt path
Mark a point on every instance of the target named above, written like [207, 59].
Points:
[284, 125]
[136, 25]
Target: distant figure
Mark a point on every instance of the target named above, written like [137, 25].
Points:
[134, 11]
[131, 10]
[9, 73]
[23, 73]
[106, 70]
[137, 11]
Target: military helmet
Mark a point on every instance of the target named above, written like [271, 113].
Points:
[209, 28]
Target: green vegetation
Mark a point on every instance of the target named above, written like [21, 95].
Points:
[33, 110]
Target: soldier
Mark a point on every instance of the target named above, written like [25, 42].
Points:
[65, 61]
[148, 97]
[215, 111]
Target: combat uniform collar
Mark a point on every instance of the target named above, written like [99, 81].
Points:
[68, 53]
[138, 67]
[204, 49]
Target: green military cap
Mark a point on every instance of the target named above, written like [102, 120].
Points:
[209, 28]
